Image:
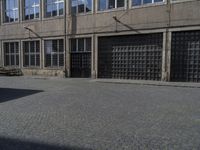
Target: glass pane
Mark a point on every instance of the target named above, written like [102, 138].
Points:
[155, 1]
[32, 47]
[17, 47]
[48, 60]
[12, 60]
[55, 60]
[81, 6]
[6, 61]
[88, 44]
[61, 8]
[55, 45]
[147, 1]
[136, 2]
[32, 61]
[48, 10]
[6, 48]
[80, 45]
[26, 47]
[12, 47]
[61, 46]
[37, 46]
[74, 5]
[111, 4]
[120, 3]
[73, 45]
[61, 60]
[102, 4]
[48, 47]
[38, 60]
[26, 60]
[88, 4]
[17, 60]
[26, 14]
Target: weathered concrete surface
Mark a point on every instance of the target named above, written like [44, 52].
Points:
[53, 113]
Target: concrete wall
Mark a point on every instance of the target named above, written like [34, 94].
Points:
[165, 17]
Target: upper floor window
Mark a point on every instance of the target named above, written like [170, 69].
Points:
[143, 2]
[11, 10]
[11, 54]
[31, 9]
[81, 6]
[110, 4]
[54, 8]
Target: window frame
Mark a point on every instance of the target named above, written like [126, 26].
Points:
[58, 67]
[180, 1]
[24, 12]
[147, 4]
[52, 16]
[15, 55]
[4, 10]
[77, 45]
[33, 53]
[85, 12]
[113, 9]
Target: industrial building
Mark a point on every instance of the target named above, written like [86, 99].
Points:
[122, 39]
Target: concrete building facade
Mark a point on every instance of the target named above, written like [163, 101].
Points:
[123, 39]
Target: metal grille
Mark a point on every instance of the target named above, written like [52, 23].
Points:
[131, 57]
[185, 57]
[81, 64]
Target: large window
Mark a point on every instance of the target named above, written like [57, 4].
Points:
[31, 53]
[11, 10]
[11, 54]
[143, 2]
[54, 8]
[110, 4]
[31, 9]
[81, 45]
[54, 53]
[81, 6]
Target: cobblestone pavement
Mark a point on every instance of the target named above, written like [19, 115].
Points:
[80, 114]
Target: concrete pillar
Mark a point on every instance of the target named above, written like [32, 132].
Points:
[67, 56]
[166, 58]
[1, 56]
[94, 56]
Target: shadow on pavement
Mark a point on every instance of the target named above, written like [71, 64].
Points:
[7, 94]
[15, 144]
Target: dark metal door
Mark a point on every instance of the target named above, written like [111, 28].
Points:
[185, 56]
[81, 64]
[131, 57]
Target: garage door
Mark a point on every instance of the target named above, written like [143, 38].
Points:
[130, 57]
[185, 57]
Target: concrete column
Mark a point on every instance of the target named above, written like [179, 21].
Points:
[67, 56]
[94, 54]
[166, 58]
[1, 56]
